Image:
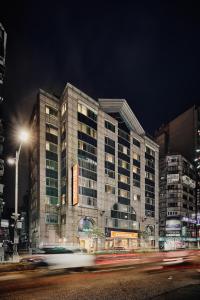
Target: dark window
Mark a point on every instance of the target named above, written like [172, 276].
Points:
[136, 163]
[87, 192]
[136, 142]
[84, 119]
[51, 191]
[85, 155]
[109, 165]
[109, 142]
[109, 149]
[86, 138]
[123, 142]
[124, 157]
[124, 135]
[123, 186]
[51, 155]
[123, 200]
[109, 126]
[51, 173]
[123, 171]
[87, 174]
[110, 173]
[51, 138]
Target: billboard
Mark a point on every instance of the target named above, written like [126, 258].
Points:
[171, 178]
[75, 198]
[125, 235]
[172, 225]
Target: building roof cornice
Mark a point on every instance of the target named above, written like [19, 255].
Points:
[121, 106]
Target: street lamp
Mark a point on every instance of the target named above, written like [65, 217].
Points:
[23, 137]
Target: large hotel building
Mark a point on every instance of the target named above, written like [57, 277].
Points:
[93, 174]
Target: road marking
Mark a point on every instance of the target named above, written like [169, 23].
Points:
[115, 269]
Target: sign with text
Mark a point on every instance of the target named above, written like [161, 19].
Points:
[172, 178]
[75, 199]
[125, 235]
[173, 225]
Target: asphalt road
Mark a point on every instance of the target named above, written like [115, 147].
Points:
[124, 283]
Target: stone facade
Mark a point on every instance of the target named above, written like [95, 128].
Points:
[80, 141]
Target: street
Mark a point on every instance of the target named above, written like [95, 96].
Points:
[128, 282]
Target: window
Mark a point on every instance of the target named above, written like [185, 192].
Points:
[136, 156]
[50, 200]
[109, 142]
[87, 147]
[63, 108]
[136, 170]
[87, 174]
[51, 164]
[51, 147]
[109, 126]
[123, 149]
[124, 193]
[150, 163]
[110, 189]
[87, 112]
[123, 164]
[110, 173]
[51, 182]
[124, 179]
[52, 129]
[87, 130]
[136, 142]
[150, 151]
[109, 157]
[86, 182]
[136, 182]
[89, 165]
[87, 192]
[51, 111]
[51, 219]
[172, 213]
[150, 176]
[124, 212]
[123, 134]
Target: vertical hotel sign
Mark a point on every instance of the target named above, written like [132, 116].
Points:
[75, 199]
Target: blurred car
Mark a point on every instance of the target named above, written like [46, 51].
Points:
[60, 258]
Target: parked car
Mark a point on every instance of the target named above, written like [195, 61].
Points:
[57, 257]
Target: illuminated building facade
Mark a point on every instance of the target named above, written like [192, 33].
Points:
[93, 174]
[177, 209]
[182, 136]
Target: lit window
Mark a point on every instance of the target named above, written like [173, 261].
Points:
[63, 108]
[123, 178]
[109, 157]
[136, 156]
[109, 189]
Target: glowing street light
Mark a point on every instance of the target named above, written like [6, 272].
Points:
[23, 137]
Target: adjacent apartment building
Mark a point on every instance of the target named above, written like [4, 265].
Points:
[93, 174]
[181, 136]
[177, 203]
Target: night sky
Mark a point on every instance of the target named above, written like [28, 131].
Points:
[147, 52]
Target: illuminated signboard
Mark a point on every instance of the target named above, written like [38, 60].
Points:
[173, 225]
[126, 235]
[172, 178]
[75, 185]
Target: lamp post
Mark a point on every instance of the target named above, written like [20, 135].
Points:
[23, 137]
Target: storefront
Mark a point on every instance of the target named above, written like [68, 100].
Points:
[121, 239]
